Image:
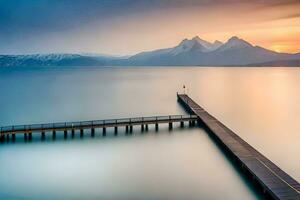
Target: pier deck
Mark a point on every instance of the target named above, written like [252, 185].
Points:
[274, 181]
[126, 122]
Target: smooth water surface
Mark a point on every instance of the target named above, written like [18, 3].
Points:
[260, 104]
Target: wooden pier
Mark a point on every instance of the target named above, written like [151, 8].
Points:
[8, 132]
[273, 181]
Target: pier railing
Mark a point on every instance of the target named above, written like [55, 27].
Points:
[274, 182]
[96, 123]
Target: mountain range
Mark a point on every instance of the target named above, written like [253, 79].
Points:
[196, 52]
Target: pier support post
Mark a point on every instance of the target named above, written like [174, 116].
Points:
[190, 123]
[126, 129]
[130, 128]
[170, 125]
[73, 133]
[65, 134]
[142, 127]
[156, 127]
[81, 133]
[93, 132]
[104, 132]
[30, 135]
[146, 127]
[54, 135]
[13, 137]
[7, 137]
[199, 122]
[2, 138]
[182, 124]
[116, 130]
[25, 136]
[43, 135]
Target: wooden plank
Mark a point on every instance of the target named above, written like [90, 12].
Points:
[272, 179]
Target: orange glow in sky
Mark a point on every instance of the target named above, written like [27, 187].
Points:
[272, 24]
[274, 27]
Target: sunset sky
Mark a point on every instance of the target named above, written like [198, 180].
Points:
[122, 27]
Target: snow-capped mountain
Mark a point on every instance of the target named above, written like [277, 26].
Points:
[233, 43]
[209, 46]
[195, 44]
[188, 45]
[197, 51]
[51, 60]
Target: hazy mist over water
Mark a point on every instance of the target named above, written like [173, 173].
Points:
[259, 104]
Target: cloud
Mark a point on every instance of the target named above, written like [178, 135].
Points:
[278, 3]
[67, 24]
[290, 16]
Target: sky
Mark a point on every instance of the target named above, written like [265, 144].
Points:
[126, 27]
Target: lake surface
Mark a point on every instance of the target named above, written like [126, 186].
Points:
[259, 104]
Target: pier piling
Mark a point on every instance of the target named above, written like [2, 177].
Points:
[93, 132]
[142, 127]
[170, 126]
[2, 137]
[104, 132]
[54, 135]
[43, 135]
[65, 134]
[116, 130]
[126, 130]
[30, 136]
[182, 124]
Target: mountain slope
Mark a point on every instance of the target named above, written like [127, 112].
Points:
[196, 51]
[51, 60]
[278, 63]
[199, 52]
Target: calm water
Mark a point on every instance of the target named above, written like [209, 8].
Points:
[260, 104]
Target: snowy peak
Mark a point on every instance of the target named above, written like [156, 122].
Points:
[195, 51]
[235, 43]
[204, 43]
[200, 45]
[49, 57]
[217, 44]
[188, 45]
[54, 59]
[238, 42]
[195, 44]
[208, 46]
